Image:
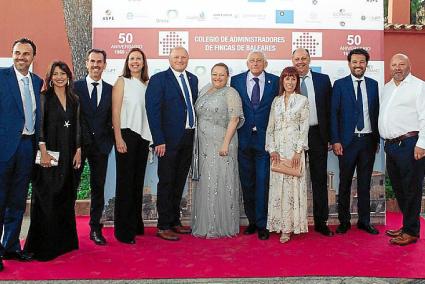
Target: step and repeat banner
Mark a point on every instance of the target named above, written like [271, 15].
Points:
[226, 31]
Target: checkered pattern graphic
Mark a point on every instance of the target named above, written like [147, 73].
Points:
[171, 39]
[309, 40]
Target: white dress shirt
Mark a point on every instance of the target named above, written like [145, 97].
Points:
[402, 109]
[19, 77]
[177, 75]
[90, 87]
[250, 83]
[312, 120]
[367, 126]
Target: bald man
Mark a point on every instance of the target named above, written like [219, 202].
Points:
[318, 89]
[170, 98]
[402, 125]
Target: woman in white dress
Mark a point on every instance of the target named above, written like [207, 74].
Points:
[132, 139]
[286, 137]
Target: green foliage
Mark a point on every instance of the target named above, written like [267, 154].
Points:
[84, 188]
[389, 192]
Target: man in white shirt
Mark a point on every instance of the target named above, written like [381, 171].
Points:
[402, 125]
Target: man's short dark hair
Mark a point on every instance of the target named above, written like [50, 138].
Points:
[360, 51]
[25, 40]
[96, 50]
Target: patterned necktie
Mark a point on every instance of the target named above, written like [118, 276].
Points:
[187, 99]
[360, 120]
[255, 96]
[304, 90]
[29, 121]
[93, 98]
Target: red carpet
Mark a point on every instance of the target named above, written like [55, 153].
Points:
[353, 254]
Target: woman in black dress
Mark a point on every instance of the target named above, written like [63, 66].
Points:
[53, 230]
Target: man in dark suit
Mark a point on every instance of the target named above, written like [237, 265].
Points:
[257, 89]
[318, 89]
[355, 138]
[96, 125]
[19, 128]
[170, 98]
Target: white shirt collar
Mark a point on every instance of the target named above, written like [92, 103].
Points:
[406, 80]
[262, 76]
[355, 79]
[90, 80]
[177, 74]
[19, 75]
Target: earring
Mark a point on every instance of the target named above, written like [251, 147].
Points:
[51, 84]
[67, 83]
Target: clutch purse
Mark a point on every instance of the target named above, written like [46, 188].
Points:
[284, 166]
[51, 153]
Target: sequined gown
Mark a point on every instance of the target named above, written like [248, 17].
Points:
[216, 197]
[287, 132]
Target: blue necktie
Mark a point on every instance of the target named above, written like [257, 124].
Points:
[255, 96]
[304, 90]
[187, 99]
[93, 98]
[360, 120]
[29, 121]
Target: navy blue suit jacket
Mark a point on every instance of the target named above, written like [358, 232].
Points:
[343, 109]
[323, 91]
[12, 117]
[166, 107]
[96, 125]
[259, 118]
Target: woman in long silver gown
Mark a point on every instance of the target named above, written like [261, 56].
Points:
[216, 198]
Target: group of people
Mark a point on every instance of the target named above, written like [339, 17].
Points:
[226, 135]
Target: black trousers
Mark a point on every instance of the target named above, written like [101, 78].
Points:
[98, 164]
[318, 161]
[173, 168]
[407, 176]
[131, 167]
[358, 155]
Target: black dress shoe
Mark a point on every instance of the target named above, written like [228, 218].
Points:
[128, 242]
[343, 228]
[368, 228]
[97, 238]
[324, 230]
[18, 255]
[263, 234]
[250, 230]
[1, 265]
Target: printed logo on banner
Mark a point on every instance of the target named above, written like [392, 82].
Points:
[371, 18]
[107, 16]
[199, 17]
[314, 2]
[309, 40]
[284, 16]
[171, 39]
[342, 14]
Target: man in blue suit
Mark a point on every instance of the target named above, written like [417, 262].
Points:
[257, 89]
[170, 98]
[318, 89]
[19, 126]
[355, 138]
[96, 125]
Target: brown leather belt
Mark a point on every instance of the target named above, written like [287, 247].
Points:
[402, 137]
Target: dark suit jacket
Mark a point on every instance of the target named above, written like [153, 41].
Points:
[12, 117]
[343, 109]
[323, 91]
[260, 118]
[166, 107]
[96, 125]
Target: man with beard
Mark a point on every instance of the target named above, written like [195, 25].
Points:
[355, 138]
[402, 125]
